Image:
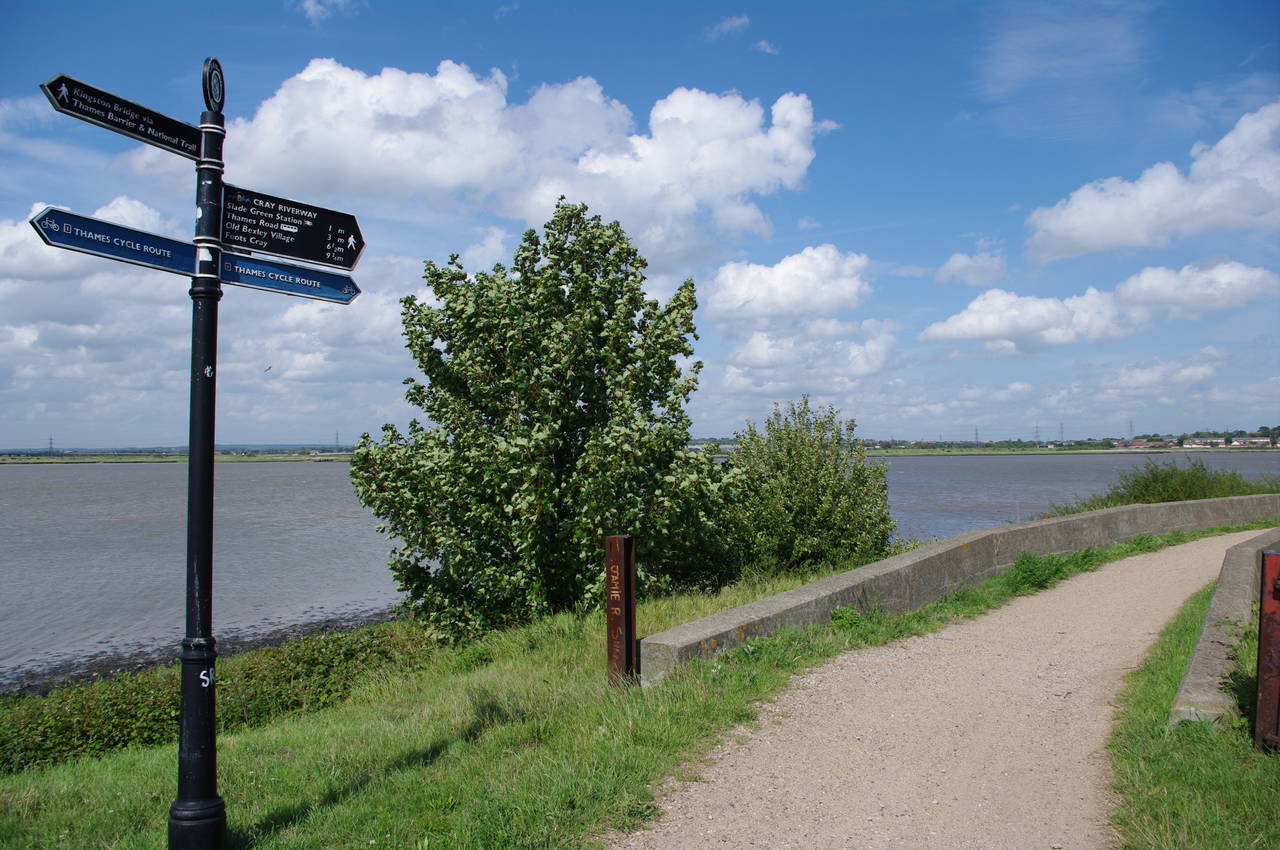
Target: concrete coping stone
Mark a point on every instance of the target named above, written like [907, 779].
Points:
[911, 579]
[1200, 695]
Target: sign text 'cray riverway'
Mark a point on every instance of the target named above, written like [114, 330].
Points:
[256, 221]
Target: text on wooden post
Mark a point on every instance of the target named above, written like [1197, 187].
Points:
[620, 608]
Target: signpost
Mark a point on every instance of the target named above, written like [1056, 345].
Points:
[260, 222]
[198, 817]
[72, 97]
[63, 229]
[287, 278]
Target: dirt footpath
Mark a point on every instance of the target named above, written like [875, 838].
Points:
[989, 734]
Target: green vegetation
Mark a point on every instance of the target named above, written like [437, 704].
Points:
[556, 398]
[1173, 482]
[557, 407]
[804, 492]
[306, 674]
[1196, 785]
[511, 741]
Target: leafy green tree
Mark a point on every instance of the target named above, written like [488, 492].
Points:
[805, 492]
[555, 395]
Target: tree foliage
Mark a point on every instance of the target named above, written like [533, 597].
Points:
[555, 398]
[805, 492]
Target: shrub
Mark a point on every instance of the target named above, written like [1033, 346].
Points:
[1173, 482]
[305, 674]
[556, 399]
[805, 492]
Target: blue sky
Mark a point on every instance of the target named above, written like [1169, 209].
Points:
[943, 218]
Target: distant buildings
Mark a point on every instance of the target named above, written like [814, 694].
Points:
[1222, 442]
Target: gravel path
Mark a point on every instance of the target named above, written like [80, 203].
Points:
[989, 734]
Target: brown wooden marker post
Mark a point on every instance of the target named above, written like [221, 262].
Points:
[1266, 735]
[620, 608]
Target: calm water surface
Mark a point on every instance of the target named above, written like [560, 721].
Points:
[938, 496]
[93, 556]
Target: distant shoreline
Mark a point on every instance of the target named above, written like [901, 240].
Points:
[1124, 451]
[346, 457]
[176, 458]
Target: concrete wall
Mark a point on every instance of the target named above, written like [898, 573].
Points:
[1200, 696]
[926, 574]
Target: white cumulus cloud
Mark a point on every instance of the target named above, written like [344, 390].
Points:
[788, 362]
[819, 280]
[397, 139]
[788, 327]
[1010, 323]
[1233, 184]
[1197, 289]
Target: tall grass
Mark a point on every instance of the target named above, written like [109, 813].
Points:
[1173, 482]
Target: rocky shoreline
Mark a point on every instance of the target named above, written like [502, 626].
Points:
[42, 679]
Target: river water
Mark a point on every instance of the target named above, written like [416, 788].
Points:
[93, 556]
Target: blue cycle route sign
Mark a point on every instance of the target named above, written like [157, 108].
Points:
[287, 278]
[63, 229]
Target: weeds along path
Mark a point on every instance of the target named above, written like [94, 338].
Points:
[989, 734]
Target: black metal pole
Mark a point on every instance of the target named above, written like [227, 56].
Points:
[198, 817]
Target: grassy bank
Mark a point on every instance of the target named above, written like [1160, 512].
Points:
[1173, 482]
[258, 686]
[1196, 784]
[306, 674]
[513, 741]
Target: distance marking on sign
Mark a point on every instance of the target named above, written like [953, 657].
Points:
[255, 221]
